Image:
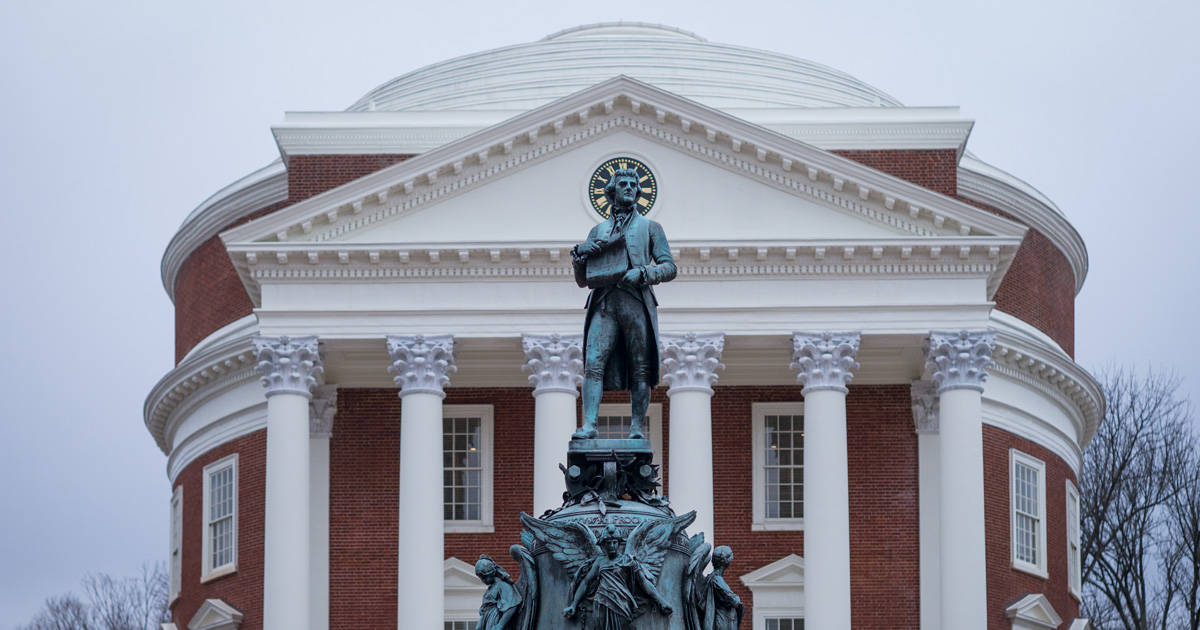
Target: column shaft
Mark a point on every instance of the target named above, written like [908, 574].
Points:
[285, 539]
[319, 532]
[963, 562]
[826, 511]
[421, 598]
[691, 478]
[553, 423]
[929, 488]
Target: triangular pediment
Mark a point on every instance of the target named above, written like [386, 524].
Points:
[520, 188]
[458, 575]
[1033, 612]
[786, 572]
[215, 614]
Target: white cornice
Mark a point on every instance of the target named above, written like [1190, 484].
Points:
[274, 262]
[257, 190]
[845, 128]
[709, 134]
[985, 183]
[1027, 355]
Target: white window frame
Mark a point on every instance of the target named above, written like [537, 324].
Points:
[1015, 457]
[207, 571]
[759, 413]
[1074, 573]
[175, 558]
[654, 428]
[486, 415]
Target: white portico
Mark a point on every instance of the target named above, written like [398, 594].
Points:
[796, 267]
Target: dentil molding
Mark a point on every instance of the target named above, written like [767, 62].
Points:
[959, 360]
[288, 365]
[690, 361]
[554, 362]
[825, 360]
[421, 364]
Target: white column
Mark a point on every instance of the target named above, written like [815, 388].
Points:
[957, 364]
[925, 419]
[421, 367]
[322, 408]
[825, 364]
[690, 363]
[555, 366]
[290, 369]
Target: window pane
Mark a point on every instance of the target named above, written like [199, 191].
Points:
[462, 458]
[783, 458]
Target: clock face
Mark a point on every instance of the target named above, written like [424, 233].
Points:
[604, 172]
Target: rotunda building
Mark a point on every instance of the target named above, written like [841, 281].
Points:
[868, 389]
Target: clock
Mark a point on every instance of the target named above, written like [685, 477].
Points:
[605, 171]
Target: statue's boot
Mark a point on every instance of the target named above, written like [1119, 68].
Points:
[637, 429]
[587, 431]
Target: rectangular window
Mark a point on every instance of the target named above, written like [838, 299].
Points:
[1028, 478]
[785, 623]
[778, 460]
[220, 518]
[1074, 562]
[467, 468]
[176, 558]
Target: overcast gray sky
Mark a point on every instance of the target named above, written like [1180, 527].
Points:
[120, 117]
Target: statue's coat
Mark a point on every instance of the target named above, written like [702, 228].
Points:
[647, 247]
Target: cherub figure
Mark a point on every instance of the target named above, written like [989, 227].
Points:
[615, 571]
[507, 605]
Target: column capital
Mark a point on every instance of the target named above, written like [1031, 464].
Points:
[288, 365]
[825, 360]
[421, 364]
[925, 407]
[959, 360]
[690, 360]
[321, 410]
[554, 362]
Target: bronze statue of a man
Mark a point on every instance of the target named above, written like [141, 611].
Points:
[620, 260]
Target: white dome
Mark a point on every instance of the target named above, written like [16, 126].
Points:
[526, 76]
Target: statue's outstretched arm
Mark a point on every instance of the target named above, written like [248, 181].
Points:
[649, 588]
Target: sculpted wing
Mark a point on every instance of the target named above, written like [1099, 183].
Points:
[648, 543]
[571, 544]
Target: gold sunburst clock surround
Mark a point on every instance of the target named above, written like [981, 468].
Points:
[602, 174]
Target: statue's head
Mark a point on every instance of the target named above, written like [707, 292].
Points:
[611, 540]
[721, 557]
[486, 569]
[623, 188]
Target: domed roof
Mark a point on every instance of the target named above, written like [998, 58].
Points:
[526, 76]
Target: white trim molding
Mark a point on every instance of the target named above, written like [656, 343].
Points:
[777, 589]
[1038, 467]
[1033, 612]
[208, 572]
[486, 416]
[759, 412]
[215, 614]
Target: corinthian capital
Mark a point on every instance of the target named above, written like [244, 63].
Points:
[825, 360]
[925, 406]
[959, 360]
[421, 363]
[554, 362]
[288, 365]
[321, 410]
[690, 361]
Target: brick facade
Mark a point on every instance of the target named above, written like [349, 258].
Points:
[1005, 584]
[243, 588]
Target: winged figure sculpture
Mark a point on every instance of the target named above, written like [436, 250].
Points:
[619, 574]
[508, 605]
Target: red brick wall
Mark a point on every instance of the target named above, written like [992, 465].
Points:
[935, 169]
[310, 175]
[242, 589]
[208, 292]
[1005, 584]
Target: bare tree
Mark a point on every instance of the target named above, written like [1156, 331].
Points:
[1134, 468]
[1183, 527]
[131, 603]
